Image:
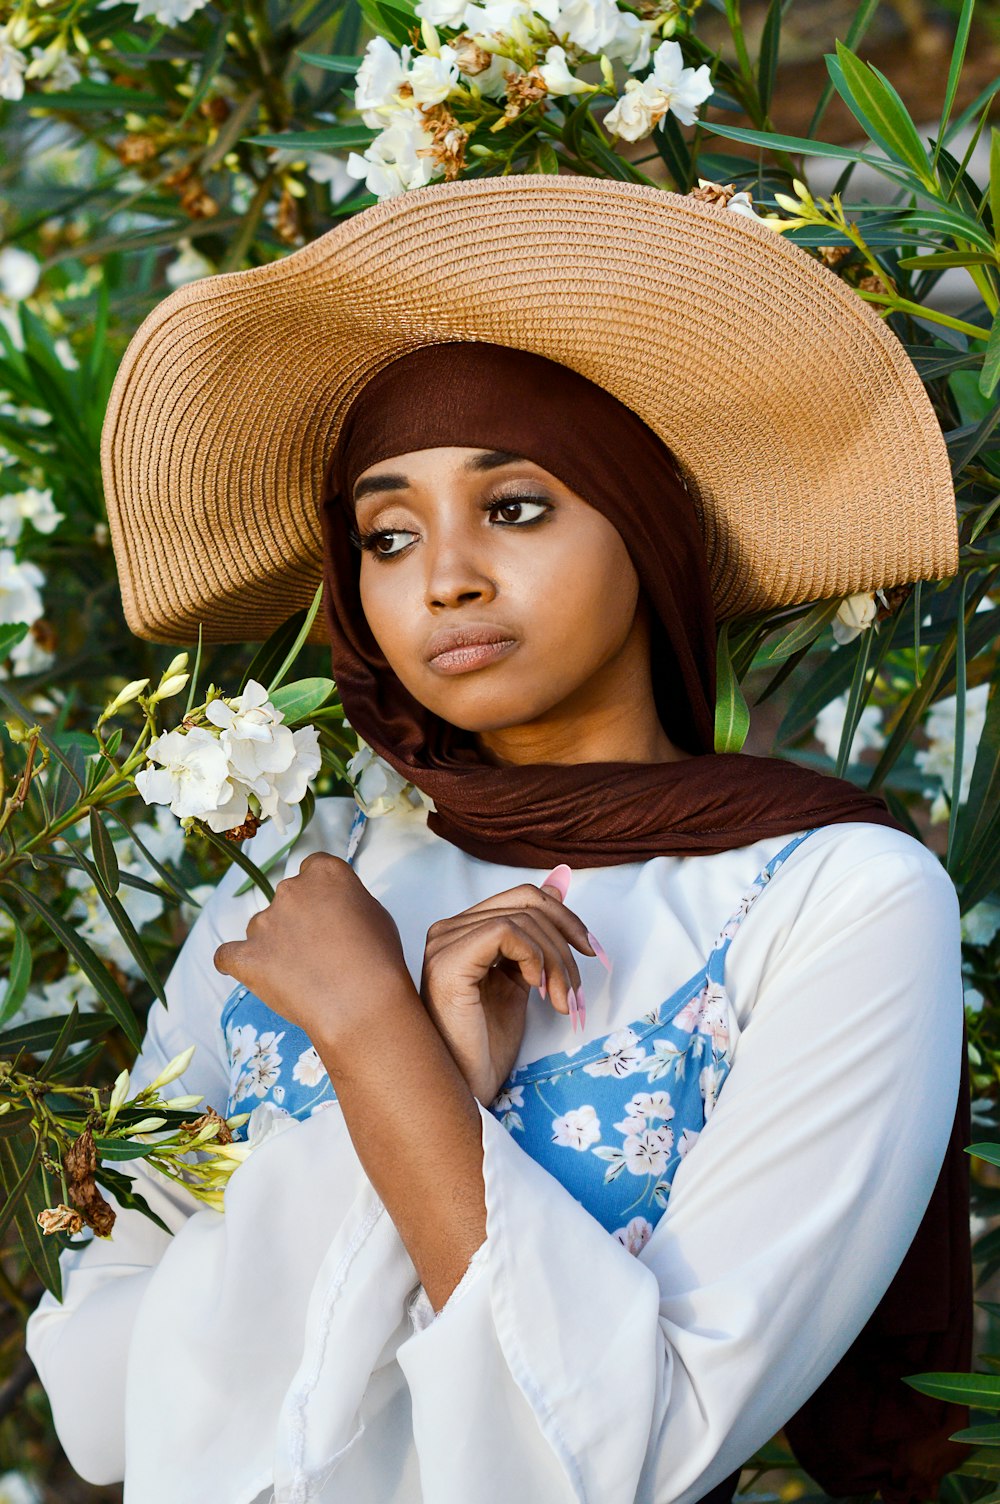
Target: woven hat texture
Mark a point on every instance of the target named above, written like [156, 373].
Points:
[812, 451]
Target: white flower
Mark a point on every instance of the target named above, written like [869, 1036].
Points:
[635, 1234]
[577, 1129]
[309, 1069]
[433, 78]
[378, 788]
[505, 1100]
[830, 724]
[30, 505]
[980, 923]
[13, 66]
[855, 614]
[631, 42]
[558, 78]
[194, 775]
[168, 12]
[263, 1066]
[54, 64]
[267, 1121]
[646, 1153]
[590, 25]
[441, 12]
[710, 1082]
[631, 1125]
[939, 757]
[188, 266]
[162, 837]
[381, 75]
[708, 1013]
[390, 164]
[17, 1488]
[28, 657]
[288, 787]
[621, 1057]
[19, 273]
[19, 587]
[685, 1141]
[670, 86]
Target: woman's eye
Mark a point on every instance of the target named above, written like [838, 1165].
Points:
[518, 503]
[386, 553]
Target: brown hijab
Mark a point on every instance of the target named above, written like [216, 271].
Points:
[863, 1429]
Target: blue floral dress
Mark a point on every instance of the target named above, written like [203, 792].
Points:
[611, 1122]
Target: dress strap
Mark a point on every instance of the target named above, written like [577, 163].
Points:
[717, 956]
[354, 838]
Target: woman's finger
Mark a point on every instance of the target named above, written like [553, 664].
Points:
[485, 943]
[527, 896]
[561, 969]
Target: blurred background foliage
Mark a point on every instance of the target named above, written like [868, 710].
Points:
[145, 145]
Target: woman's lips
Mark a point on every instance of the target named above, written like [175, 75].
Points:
[476, 655]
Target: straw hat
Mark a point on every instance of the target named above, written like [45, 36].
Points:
[808, 442]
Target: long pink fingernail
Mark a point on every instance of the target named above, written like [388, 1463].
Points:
[602, 954]
[559, 878]
[581, 1003]
[541, 985]
[573, 1011]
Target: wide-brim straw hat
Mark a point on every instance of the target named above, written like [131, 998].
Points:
[808, 442]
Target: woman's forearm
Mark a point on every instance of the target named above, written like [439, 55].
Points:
[417, 1131]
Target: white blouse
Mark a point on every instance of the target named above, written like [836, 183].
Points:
[283, 1352]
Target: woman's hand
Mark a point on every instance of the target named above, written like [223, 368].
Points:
[324, 954]
[480, 965]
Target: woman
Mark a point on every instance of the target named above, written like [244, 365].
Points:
[481, 1253]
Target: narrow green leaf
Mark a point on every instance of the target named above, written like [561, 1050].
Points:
[271, 654]
[175, 885]
[767, 60]
[41, 1033]
[732, 714]
[339, 136]
[105, 856]
[984, 1436]
[122, 922]
[989, 1152]
[801, 144]
[979, 1389]
[979, 826]
[332, 62]
[105, 984]
[955, 66]
[297, 645]
[16, 1178]
[10, 635]
[675, 153]
[42, 1250]
[124, 1192]
[942, 222]
[939, 260]
[300, 700]
[193, 681]
[66, 1036]
[856, 699]
[19, 975]
[209, 67]
[233, 851]
[870, 96]
[805, 631]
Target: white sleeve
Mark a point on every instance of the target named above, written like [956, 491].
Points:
[565, 1369]
[206, 1342]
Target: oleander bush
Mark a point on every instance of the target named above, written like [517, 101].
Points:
[145, 145]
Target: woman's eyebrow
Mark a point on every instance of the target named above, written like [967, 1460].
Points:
[490, 459]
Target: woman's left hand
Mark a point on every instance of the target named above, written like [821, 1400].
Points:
[324, 954]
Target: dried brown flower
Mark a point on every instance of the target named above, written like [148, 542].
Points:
[833, 255]
[79, 1163]
[243, 832]
[449, 139]
[523, 90]
[713, 193]
[61, 1218]
[871, 283]
[136, 148]
[196, 202]
[225, 1133]
[286, 222]
[470, 58]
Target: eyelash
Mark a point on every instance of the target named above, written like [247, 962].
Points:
[368, 541]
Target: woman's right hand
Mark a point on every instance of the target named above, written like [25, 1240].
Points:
[479, 966]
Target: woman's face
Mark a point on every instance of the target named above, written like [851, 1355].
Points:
[470, 540]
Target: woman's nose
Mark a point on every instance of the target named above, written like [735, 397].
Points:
[455, 575]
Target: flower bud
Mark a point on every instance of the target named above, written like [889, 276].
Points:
[607, 71]
[432, 41]
[146, 1126]
[175, 1068]
[131, 692]
[182, 1104]
[175, 666]
[168, 687]
[118, 1096]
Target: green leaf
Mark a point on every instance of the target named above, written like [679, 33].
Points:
[775, 142]
[42, 1250]
[331, 62]
[732, 715]
[41, 1033]
[989, 1152]
[995, 182]
[979, 1389]
[861, 688]
[122, 922]
[105, 984]
[767, 61]
[271, 654]
[65, 1038]
[957, 59]
[19, 975]
[89, 95]
[124, 1192]
[805, 631]
[176, 887]
[209, 66]
[984, 1436]
[339, 136]
[300, 700]
[299, 642]
[16, 1179]
[870, 96]
[123, 1148]
[960, 692]
[10, 635]
[978, 841]
[105, 856]
[235, 854]
[942, 222]
[934, 260]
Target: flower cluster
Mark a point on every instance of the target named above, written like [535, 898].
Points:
[232, 763]
[379, 789]
[518, 52]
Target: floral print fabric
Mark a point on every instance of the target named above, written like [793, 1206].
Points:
[611, 1122]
